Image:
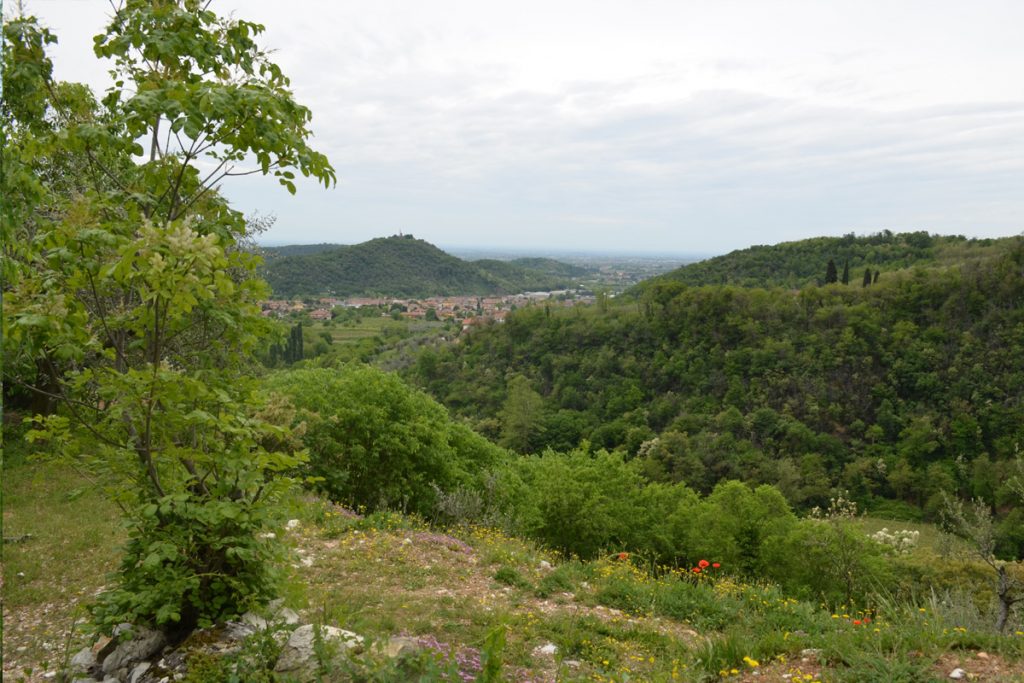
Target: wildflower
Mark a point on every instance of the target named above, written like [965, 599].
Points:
[751, 662]
[696, 570]
[856, 622]
[623, 556]
[715, 565]
[703, 564]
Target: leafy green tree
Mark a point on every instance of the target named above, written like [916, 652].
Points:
[579, 503]
[377, 443]
[738, 525]
[522, 416]
[131, 294]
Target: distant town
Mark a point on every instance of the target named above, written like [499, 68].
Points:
[470, 310]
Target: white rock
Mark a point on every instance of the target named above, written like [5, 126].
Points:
[298, 656]
[83, 660]
[544, 564]
[547, 649]
[254, 620]
[957, 674]
[138, 672]
[287, 615]
[292, 523]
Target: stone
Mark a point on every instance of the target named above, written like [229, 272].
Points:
[237, 631]
[253, 620]
[957, 674]
[143, 644]
[83, 661]
[288, 616]
[982, 655]
[545, 565]
[401, 646]
[138, 672]
[298, 657]
[292, 524]
[103, 647]
[276, 613]
[546, 650]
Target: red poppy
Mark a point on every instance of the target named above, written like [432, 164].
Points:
[867, 620]
[696, 570]
[623, 556]
[715, 565]
[856, 622]
[703, 564]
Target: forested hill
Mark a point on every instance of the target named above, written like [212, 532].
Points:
[270, 253]
[401, 266]
[895, 391]
[805, 262]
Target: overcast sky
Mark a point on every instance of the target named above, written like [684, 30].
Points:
[676, 126]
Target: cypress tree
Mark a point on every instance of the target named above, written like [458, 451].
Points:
[867, 277]
[830, 273]
[846, 273]
[875, 281]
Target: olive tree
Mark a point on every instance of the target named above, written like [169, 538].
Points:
[128, 296]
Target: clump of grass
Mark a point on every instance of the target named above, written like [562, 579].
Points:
[565, 578]
[510, 576]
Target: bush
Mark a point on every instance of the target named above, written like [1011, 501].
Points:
[376, 443]
[578, 503]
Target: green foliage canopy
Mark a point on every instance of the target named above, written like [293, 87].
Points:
[376, 443]
[130, 306]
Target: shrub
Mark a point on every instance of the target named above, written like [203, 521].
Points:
[374, 442]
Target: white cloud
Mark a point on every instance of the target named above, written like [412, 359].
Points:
[639, 123]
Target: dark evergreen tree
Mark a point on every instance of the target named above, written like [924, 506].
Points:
[867, 277]
[846, 273]
[831, 275]
[876, 278]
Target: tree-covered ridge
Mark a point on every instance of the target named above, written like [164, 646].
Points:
[551, 266]
[400, 266]
[805, 262]
[270, 253]
[896, 391]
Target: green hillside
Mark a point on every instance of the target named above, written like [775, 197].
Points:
[801, 263]
[895, 392]
[552, 267]
[297, 250]
[399, 266]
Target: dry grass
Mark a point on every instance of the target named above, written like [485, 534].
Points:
[67, 539]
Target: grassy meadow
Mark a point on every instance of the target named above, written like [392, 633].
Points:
[611, 619]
